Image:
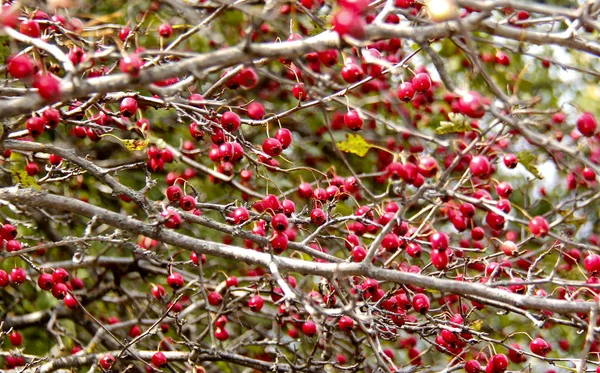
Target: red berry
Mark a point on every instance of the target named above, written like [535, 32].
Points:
[272, 147]
[172, 219]
[174, 193]
[128, 107]
[124, 33]
[279, 222]
[348, 22]
[175, 281]
[231, 281]
[586, 124]
[165, 30]
[353, 121]
[158, 291]
[592, 263]
[299, 92]
[439, 241]
[284, 136]
[279, 242]
[421, 82]
[473, 366]
[16, 339]
[480, 166]
[538, 226]
[230, 121]
[159, 359]
[131, 65]
[30, 28]
[256, 303]
[35, 126]
[406, 91]
[358, 254]
[309, 328]
[107, 361]
[32, 169]
[539, 346]
[318, 216]
[52, 117]
[214, 298]
[256, 110]
[420, 303]
[471, 105]
[352, 72]
[346, 323]
[20, 66]
[48, 87]
[221, 334]
[60, 276]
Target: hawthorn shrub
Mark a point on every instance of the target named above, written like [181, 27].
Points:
[394, 186]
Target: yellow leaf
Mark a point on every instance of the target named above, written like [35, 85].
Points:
[355, 144]
[23, 178]
[476, 325]
[133, 145]
[458, 123]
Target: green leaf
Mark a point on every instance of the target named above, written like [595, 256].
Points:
[457, 123]
[19, 174]
[355, 144]
[24, 179]
[4, 49]
[529, 161]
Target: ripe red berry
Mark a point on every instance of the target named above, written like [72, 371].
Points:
[20, 66]
[284, 136]
[59, 291]
[35, 126]
[131, 64]
[439, 241]
[279, 222]
[48, 87]
[240, 215]
[172, 219]
[107, 361]
[318, 216]
[128, 107]
[231, 281]
[538, 226]
[16, 339]
[299, 92]
[586, 124]
[539, 346]
[272, 147]
[158, 291]
[174, 193]
[427, 166]
[175, 281]
[309, 328]
[305, 190]
[592, 263]
[346, 323]
[504, 189]
[439, 259]
[30, 28]
[588, 174]
[256, 110]
[32, 169]
[221, 334]
[256, 303]
[352, 72]
[473, 366]
[348, 22]
[420, 303]
[214, 298]
[124, 33]
[230, 121]
[52, 117]
[60, 276]
[358, 254]
[480, 166]
[499, 362]
[471, 105]
[421, 82]
[406, 91]
[279, 242]
[165, 30]
[353, 121]
[54, 159]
